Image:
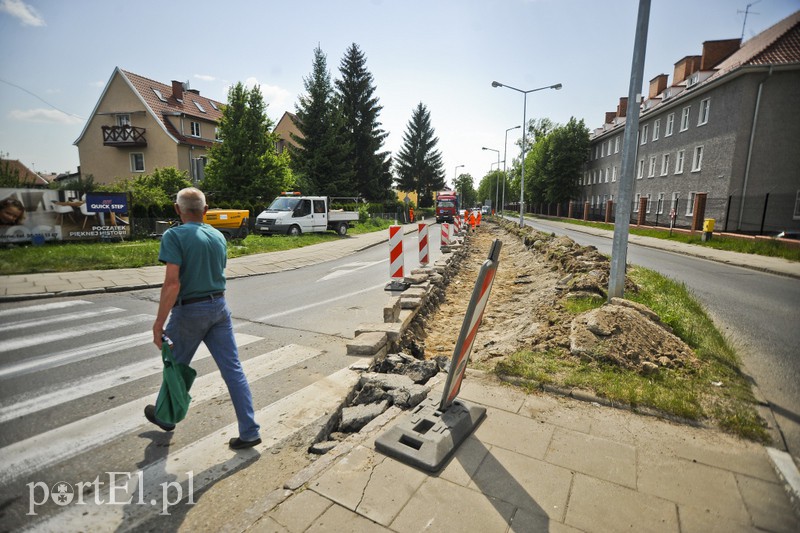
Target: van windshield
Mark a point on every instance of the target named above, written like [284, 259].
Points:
[283, 204]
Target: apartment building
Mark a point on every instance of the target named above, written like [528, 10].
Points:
[727, 125]
[139, 124]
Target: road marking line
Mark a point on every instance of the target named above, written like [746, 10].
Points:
[34, 401]
[43, 307]
[45, 449]
[69, 333]
[22, 324]
[266, 318]
[208, 459]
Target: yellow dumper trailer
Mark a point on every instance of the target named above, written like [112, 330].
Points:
[231, 222]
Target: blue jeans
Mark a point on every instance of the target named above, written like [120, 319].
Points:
[210, 322]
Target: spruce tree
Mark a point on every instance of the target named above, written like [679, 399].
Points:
[419, 165]
[321, 157]
[360, 109]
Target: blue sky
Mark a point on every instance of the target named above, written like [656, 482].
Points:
[58, 56]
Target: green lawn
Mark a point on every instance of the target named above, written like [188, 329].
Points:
[76, 256]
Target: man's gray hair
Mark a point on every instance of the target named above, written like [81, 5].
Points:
[191, 200]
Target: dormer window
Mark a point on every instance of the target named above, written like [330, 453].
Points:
[693, 79]
[198, 106]
[213, 105]
[159, 95]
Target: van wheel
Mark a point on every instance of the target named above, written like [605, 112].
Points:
[294, 231]
[342, 229]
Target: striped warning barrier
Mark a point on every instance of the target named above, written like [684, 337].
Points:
[445, 234]
[423, 244]
[457, 224]
[469, 328]
[396, 252]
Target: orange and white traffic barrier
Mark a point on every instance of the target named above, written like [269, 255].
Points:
[396, 252]
[445, 234]
[423, 244]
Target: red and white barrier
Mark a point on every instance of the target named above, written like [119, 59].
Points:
[445, 234]
[423, 244]
[396, 252]
[457, 224]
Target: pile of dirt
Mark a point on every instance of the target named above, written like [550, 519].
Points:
[537, 273]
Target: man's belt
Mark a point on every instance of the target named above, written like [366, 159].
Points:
[208, 298]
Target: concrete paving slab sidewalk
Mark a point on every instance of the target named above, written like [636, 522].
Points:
[542, 463]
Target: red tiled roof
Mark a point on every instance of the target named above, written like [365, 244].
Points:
[25, 174]
[778, 44]
[161, 109]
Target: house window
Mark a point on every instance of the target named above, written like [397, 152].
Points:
[674, 203]
[679, 162]
[195, 129]
[123, 120]
[199, 168]
[670, 124]
[697, 159]
[137, 162]
[685, 118]
[690, 205]
[648, 202]
[643, 136]
[660, 209]
[217, 135]
[159, 95]
[656, 129]
[651, 171]
[636, 202]
[640, 170]
[214, 105]
[704, 107]
[616, 145]
[664, 164]
[198, 106]
[796, 215]
[614, 175]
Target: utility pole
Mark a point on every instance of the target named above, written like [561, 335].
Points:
[622, 217]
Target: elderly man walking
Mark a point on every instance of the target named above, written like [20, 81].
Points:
[194, 291]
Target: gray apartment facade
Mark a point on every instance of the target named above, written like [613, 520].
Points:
[727, 129]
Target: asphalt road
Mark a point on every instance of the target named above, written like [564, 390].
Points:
[760, 312]
[75, 374]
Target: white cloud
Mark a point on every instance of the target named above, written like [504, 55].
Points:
[50, 116]
[26, 14]
[277, 98]
[205, 77]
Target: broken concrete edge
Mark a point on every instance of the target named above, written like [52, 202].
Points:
[788, 473]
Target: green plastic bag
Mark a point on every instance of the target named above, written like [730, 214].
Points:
[173, 398]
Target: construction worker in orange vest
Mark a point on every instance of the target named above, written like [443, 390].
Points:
[472, 220]
[411, 214]
[479, 218]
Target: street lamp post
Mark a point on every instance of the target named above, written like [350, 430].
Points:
[497, 179]
[455, 177]
[557, 87]
[505, 158]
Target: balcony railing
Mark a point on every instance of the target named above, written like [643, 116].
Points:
[123, 136]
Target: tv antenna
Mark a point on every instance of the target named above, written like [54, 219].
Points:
[747, 12]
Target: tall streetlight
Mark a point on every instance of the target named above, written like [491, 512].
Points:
[497, 179]
[455, 177]
[505, 158]
[557, 87]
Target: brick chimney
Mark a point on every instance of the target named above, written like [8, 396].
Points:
[177, 90]
[657, 85]
[610, 116]
[622, 108]
[685, 68]
[714, 52]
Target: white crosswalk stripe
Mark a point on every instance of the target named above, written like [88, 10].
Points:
[39, 453]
